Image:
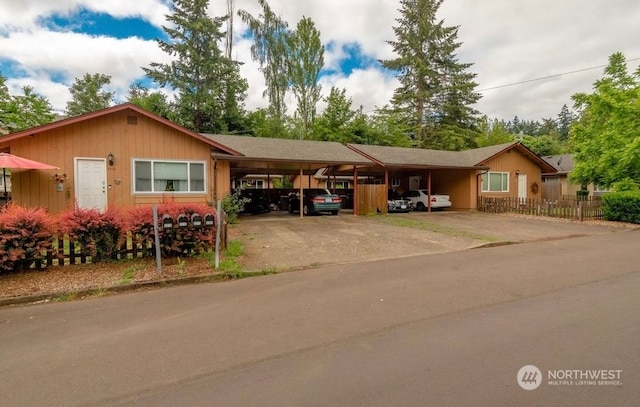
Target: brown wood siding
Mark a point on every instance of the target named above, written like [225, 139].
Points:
[513, 161]
[460, 185]
[96, 138]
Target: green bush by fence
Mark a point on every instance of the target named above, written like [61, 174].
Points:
[622, 206]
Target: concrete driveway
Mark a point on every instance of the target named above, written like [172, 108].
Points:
[284, 241]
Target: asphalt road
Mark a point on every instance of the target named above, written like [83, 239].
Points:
[446, 330]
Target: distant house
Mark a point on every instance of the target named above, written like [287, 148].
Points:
[556, 184]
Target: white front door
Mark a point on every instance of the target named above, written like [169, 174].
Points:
[522, 186]
[91, 183]
[414, 182]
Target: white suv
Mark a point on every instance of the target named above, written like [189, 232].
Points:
[420, 198]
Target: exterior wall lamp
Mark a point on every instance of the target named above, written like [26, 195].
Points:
[110, 159]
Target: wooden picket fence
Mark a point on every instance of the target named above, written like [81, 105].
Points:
[65, 251]
[570, 208]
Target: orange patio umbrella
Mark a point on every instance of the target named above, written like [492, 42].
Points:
[14, 162]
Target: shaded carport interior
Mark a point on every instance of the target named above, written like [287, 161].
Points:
[272, 156]
[454, 173]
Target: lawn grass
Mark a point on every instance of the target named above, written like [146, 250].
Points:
[432, 227]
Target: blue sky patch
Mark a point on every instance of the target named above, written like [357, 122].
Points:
[355, 58]
[101, 24]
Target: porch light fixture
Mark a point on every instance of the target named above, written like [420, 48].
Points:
[110, 159]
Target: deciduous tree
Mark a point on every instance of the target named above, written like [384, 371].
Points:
[88, 94]
[606, 137]
[305, 61]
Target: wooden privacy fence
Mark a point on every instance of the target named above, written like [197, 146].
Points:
[372, 198]
[576, 209]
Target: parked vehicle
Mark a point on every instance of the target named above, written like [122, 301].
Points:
[255, 201]
[396, 204]
[314, 201]
[420, 198]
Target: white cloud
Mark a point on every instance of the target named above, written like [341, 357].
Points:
[507, 41]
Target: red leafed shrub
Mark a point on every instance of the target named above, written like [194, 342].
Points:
[25, 235]
[98, 234]
[174, 241]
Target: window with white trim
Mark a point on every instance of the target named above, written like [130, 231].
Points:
[395, 182]
[338, 184]
[252, 184]
[163, 176]
[495, 182]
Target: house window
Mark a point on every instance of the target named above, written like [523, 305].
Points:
[395, 182]
[252, 184]
[168, 176]
[338, 184]
[495, 182]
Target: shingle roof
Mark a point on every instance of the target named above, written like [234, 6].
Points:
[563, 163]
[423, 158]
[416, 157]
[478, 156]
[273, 149]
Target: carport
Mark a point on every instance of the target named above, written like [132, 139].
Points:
[454, 173]
[272, 156]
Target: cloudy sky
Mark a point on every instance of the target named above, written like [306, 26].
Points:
[46, 44]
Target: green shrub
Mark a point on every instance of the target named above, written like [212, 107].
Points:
[25, 236]
[232, 205]
[626, 184]
[622, 206]
[176, 241]
[97, 234]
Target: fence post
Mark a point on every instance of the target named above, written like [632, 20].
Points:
[218, 225]
[580, 211]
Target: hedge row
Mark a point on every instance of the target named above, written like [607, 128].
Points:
[27, 233]
[622, 206]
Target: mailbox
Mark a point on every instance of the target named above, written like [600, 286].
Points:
[183, 221]
[208, 220]
[196, 220]
[167, 222]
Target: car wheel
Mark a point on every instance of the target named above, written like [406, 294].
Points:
[305, 210]
[290, 208]
[420, 206]
[334, 213]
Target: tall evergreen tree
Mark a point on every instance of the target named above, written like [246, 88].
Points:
[269, 48]
[305, 61]
[210, 89]
[436, 91]
[565, 120]
[88, 94]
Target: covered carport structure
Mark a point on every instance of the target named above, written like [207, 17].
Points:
[454, 173]
[272, 156]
